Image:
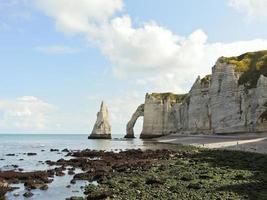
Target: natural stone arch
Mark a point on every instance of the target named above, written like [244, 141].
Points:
[130, 125]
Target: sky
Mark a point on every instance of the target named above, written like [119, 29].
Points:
[61, 58]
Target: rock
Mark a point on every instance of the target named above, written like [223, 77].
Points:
[60, 173]
[53, 150]
[65, 150]
[4, 188]
[10, 154]
[71, 172]
[31, 154]
[16, 194]
[227, 101]
[138, 113]
[99, 194]
[28, 194]
[102, 128]
[75, 198]
[44, 187]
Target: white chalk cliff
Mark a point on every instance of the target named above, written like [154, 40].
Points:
[102, 128]
[233, 99]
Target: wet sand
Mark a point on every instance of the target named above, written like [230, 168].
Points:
[245, 142]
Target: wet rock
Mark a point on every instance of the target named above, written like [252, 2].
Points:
[153, 180]
[75, 198]
[4, 188]
[195, 186]
[28, 194]
[99, 194]
[65, 150]
[31, 180]
[10, 154]
[60, 173]
[54, 150]
[44, 187]
[16, 194]
[31, 154]
[71, 172]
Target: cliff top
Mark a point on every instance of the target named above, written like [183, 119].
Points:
[173, 97]
[251, 65]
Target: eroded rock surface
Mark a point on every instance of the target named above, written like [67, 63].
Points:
[102, 128]
[233, 99]
[130, 126]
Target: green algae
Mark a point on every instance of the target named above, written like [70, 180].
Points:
[202, 174]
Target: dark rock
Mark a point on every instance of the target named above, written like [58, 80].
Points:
[53, 150]
[31, 154]
[75, 198]
[28, 194]
[65, 150]
[10, 154]
[99, 194]
[71, 172]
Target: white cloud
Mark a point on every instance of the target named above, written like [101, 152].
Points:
[253, 8]
[159, 58]
[25, 113]
[150, 55]
[56, 49]
[79, 16]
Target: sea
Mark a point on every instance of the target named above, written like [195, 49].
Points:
[21, 144]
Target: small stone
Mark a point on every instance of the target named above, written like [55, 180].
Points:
[31, 154]
[16, 194]
[28, 194]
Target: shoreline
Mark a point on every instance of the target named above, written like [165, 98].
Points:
[244, 142]
[105, 172]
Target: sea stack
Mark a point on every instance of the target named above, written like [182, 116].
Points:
[102, 128]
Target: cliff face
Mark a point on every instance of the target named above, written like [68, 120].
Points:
[102, 128]
[232, 99]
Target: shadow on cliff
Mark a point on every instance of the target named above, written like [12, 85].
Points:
[253, 186]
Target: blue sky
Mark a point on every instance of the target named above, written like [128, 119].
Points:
[57, 64]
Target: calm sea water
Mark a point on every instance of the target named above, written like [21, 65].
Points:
[19, 144]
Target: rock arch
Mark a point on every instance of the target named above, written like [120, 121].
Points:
[130, 125]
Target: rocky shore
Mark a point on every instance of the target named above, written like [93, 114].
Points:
[177, 173]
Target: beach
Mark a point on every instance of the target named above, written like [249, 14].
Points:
[75, 168]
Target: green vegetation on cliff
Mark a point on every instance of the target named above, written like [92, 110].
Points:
[206, 80]
[251, 65]
[178, 98]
